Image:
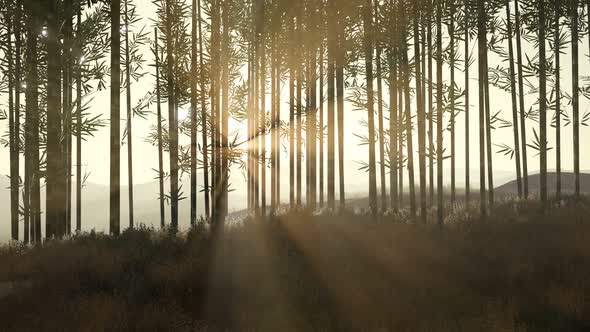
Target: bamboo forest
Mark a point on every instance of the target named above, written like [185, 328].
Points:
[307, 165]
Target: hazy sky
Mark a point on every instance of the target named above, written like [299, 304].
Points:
[95, 153]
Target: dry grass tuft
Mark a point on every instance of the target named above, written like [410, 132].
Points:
[519, 270]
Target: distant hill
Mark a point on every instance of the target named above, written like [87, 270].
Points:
[95, 207]
[567, 184]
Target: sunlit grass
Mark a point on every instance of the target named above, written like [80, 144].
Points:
[519, 270]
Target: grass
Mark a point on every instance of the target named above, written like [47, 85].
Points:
[519, 270]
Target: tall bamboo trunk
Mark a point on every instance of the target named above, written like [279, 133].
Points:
[431, 155]
[292, 108]
[262, 48]
[193, 171]
[298, 121]
[307, 154]
[340, 58]
[159, 129]
[381, 131]
[453, 110]
[32, 124]
[523, 142]
[481, 43]
[556, 45]
[401, 123]
[67, 111]
[278, 112]
[421, 117]
[115, 146]
[79, 57]
[255, 112]
[321, 127]
[575, 96]
[55, 185]
[408, 129]
[17, 105]
[368, 50]
[439, 114]
[424, 91]
[467, 106]
[313, 122]
[273, 127]
[129, 117]
[490, 154]
[14, 195]
[514, 101]
[216, 111]
[204, 117]
[542, 103]
[250, 144]
[393, 132]
[172, 120]
[224, 126]
[332, 45]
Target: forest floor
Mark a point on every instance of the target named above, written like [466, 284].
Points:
[518, 270]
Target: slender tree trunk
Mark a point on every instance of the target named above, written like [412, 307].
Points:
[431, 115]
[542, 103]
[393, 125]
[307, 60]
[321, 127]
[401, 124]
[194, 102]
[313, 119]
[488, 125]
[17, 105]
[224, 126]
[256, 125]
[292, 107]
[250, 166]
[278, 58]
[453, 110]
[273, 112]
[216, 111]
[380, 112]
[32, 133]
[556, 45]
[368, 48]
[408, 130]
[79, 62]
[115, 148]
[55, 186]
[14, 199]
[172, 120]
[67, 110]
[262, 47]
[340, 58]
[332, 45]
[467, 106]
[525, 178]
[159, 126]
[514, 101]
[203, 115]
[439, 114]
[481, 42]
[129, 117]
[575, 95]
[421, 116]
[28, 216]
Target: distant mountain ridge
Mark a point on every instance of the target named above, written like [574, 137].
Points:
[567, 184]
[96, 202]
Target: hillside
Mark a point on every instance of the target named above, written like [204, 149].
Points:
[567, 184]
